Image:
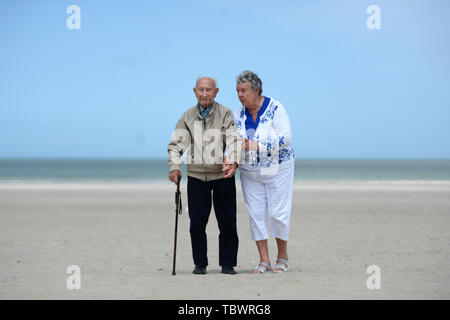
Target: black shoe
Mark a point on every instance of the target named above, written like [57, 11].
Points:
[199, 270]
[228, 270]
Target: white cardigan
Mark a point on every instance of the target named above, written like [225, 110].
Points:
[273, 136]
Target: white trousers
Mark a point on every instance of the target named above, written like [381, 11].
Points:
[269, 201]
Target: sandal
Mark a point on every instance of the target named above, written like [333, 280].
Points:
[282, 265]
[261, 269]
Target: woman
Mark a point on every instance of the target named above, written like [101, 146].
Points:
[267, 171]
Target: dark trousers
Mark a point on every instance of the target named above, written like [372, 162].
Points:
[222, 193]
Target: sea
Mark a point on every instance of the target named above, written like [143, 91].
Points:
[156, 170]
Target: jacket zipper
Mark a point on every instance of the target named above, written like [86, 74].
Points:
[204, 128]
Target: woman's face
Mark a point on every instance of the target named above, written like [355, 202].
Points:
[247, 96]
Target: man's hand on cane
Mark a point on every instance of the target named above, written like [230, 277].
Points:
[173, 175]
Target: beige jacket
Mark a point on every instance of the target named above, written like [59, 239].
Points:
[205, 142]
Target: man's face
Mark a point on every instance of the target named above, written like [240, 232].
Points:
[205, 91]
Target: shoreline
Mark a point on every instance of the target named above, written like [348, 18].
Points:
[435, 185]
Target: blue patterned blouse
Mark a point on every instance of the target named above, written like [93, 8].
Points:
[272, 132]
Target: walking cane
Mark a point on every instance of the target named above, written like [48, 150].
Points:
[178, 211]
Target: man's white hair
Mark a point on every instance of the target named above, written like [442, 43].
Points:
[203, 77]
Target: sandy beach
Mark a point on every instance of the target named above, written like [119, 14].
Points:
[121, 237]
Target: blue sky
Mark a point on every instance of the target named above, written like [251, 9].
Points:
[116, 87]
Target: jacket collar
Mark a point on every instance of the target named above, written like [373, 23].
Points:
[213, 107]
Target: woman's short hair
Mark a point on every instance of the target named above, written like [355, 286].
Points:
[252, 78]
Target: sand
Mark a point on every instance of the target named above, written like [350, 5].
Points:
[121, 237]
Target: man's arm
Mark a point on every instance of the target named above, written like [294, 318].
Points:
[178, 144]
[232, 146]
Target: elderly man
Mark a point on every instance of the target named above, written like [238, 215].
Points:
[208, 131]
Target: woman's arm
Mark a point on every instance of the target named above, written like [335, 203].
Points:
[280, 136]
[282, 127]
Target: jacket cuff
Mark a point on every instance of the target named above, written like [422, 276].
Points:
[174, 166]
